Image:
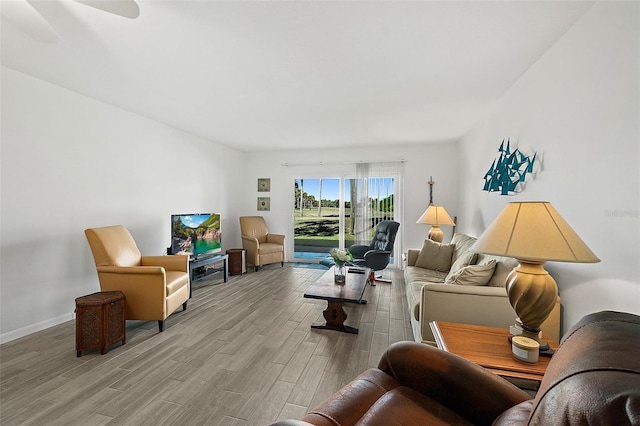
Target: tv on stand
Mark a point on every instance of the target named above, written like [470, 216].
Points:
[197, 235]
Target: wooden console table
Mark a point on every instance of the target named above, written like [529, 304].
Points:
[488, 347]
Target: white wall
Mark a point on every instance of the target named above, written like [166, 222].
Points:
[70, 162]
[422, 161]
[578, 107]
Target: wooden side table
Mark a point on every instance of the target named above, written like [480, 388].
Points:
[488, 347]
[100, 321]
[237, 261]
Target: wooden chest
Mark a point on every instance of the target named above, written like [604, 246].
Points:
[237, 261]
[100, 321]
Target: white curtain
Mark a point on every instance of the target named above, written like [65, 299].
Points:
[360, 197]
[372, 183]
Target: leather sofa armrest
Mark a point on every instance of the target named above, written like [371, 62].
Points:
[148, 280]
[144, 287]
[169, 263]
[464, 387]
[132, 270]
[252, 245]
[275, 239]
[250, 240]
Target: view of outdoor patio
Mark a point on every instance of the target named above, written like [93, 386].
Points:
[317, 214]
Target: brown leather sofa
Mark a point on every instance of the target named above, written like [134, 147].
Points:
[154, 286]
[594, 378]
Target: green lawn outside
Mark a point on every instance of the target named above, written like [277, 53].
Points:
[312, 230]
[320, 231]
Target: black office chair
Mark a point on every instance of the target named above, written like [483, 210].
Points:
[377, 254]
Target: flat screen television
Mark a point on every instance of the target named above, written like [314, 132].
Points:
[195, 234]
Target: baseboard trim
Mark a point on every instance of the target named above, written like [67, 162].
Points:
[33, 328]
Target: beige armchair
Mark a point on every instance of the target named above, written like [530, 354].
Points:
[262, 247]
[154, 286]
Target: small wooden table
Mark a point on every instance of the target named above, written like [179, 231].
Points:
[488, 347]
[100, 321]
[237, 261]
[337, 294]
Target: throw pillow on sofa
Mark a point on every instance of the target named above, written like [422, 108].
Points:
[435, 256]
[504, 266]
[463, 243]
[465, 259]
[478, 275]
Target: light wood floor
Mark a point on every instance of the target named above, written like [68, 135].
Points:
[242, 354]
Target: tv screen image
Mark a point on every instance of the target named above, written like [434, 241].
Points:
[195, 234]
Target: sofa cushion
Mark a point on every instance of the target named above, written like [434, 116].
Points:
[435, 256]
[504, 265]
[415, 273]
[175, 281]
[465, 259]
[472, 274]
[270, 248]
[415, 278]
[462, 243]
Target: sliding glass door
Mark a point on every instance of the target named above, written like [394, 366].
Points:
[325, 216]
[318, 217]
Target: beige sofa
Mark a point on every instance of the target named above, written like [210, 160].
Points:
[446, 282]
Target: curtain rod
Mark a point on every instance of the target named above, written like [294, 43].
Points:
[330, 163]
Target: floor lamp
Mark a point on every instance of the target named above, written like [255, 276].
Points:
[533, 233]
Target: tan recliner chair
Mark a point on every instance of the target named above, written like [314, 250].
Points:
[262, 247]
[154, 286]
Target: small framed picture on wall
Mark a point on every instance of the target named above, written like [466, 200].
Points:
[264, 184]
[264, 204]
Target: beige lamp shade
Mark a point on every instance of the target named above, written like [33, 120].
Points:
[533, 231]
[436, 215]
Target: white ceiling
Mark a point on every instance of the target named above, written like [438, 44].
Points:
[263, 75]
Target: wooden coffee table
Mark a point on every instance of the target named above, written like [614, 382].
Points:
[335, 295]
[488, 347]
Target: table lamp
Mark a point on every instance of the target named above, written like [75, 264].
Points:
[436, 216]
[533, 233]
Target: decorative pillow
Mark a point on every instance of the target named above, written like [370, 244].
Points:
[435, 256]
[461, 261]
[463, 243]
[478, 275]
[504, 266]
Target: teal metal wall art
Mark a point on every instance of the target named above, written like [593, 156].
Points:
[509, 171]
